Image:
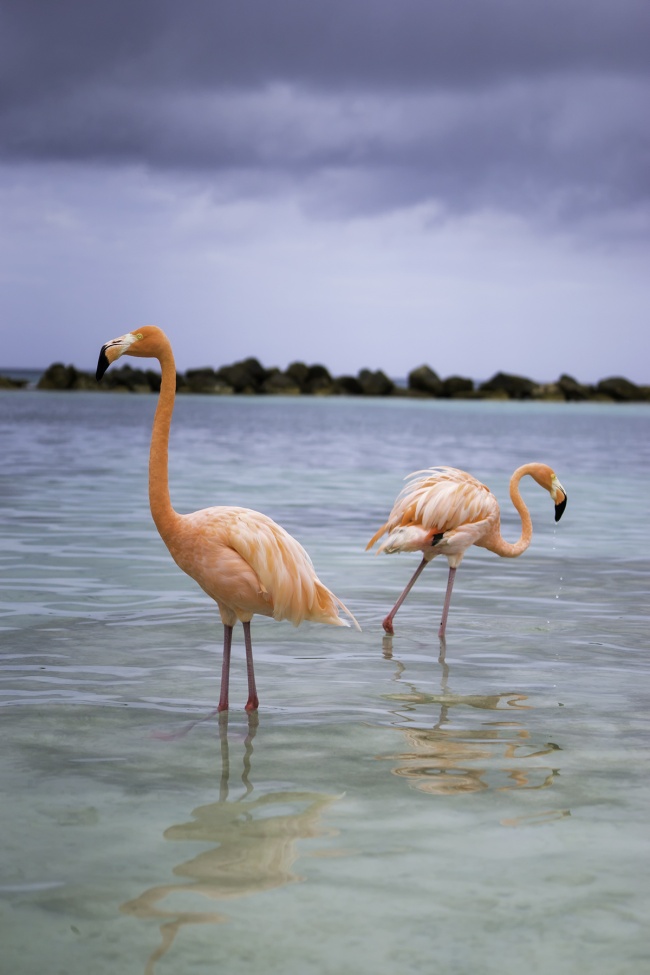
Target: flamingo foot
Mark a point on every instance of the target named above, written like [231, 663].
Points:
[388, 624]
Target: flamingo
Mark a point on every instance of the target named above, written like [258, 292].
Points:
[442, 511]
[245, 561]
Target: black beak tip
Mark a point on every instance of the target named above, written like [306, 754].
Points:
[559, 509]
[102, 365]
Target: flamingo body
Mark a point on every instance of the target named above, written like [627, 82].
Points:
[443, 511]
[251, 566]
[241, 558]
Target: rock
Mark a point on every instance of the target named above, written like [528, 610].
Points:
[319, 381]
[280, 384]
[126, 379]
[58, 376]
[205, 381]
[457, 387]
[375, 383]
[314, 380]
[572, 390]
[250, 377]
[621, 390]
[84, 380]
[6, 382]
[299, 372]
[246, 376]
[346, 386]
[550, 392]
[504, 384]
[425, 380]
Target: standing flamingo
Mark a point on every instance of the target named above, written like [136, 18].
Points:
[245, 561]
[442, 511]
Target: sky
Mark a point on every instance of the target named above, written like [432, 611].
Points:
[359, 183]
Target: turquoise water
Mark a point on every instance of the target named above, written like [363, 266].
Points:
[389, 810]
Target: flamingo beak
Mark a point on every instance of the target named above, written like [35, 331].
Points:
[112, 350]
[102, 363]
[558, 496]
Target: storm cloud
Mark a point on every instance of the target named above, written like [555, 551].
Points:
[533, 112]
[535, 106]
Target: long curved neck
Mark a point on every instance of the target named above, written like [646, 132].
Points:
[163, 514]
[497, 542]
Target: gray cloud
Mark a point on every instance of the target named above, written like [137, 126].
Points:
[536, 106]
[341, 44]
[201, 160]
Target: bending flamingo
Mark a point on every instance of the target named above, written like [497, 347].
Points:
[442, 511]
[245, 561]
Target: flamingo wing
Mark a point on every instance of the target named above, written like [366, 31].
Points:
[284, 569]
[438, 500]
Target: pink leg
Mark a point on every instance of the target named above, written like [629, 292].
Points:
[388, 622]
[445, 608]
[252, 703]
[225, 668]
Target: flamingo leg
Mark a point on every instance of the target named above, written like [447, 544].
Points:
[225, 668]
[252, 703]
[445, 608]
[388, 622]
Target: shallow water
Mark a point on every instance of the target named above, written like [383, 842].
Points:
[388, 810]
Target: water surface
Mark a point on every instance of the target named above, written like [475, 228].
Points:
[388, 810]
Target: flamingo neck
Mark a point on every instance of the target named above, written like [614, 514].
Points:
[164, 516]
[498, 544]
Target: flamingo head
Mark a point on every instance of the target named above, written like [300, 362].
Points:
[143, 342]
[548, 479]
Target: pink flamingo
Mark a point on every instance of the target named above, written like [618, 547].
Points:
[442, 511]
[245, 561]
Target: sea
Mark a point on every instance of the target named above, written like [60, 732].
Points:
[396, 805]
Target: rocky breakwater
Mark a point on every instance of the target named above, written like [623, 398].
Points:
[249, 377]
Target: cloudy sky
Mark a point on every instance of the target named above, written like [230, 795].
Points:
[374, 183]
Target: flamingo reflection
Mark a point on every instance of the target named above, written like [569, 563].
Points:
[450, 759]
[254, 848]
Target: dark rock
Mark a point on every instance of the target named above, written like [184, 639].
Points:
[319, 381]
[246, 376]
[84, 380]
[299, 372]
[550, 392]
[201, 380]
[154, 379]
[375, 383]
[6, 382]
[206, 381]
[58, 376]
[571, 389]
[425, 380]
[619, 389]
[280, 384]
[505, 384]
[346, 386]
[457, 387]
[126, 379]
[319, 372]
